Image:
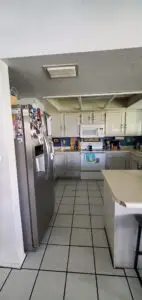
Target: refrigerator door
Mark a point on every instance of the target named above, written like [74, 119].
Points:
[44, 190]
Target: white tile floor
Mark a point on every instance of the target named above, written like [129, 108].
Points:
[73, 261]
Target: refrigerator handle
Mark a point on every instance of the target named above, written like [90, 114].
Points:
[52, 151]
[48, 153]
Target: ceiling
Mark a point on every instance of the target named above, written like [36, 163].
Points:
[91, 103]
[111, 73]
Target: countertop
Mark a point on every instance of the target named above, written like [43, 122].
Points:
[135, 152]
[126, 186]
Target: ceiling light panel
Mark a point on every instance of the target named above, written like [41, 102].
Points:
[64, 71]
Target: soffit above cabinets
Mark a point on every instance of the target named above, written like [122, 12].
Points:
[98, 102]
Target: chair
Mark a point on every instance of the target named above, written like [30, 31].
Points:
[138, 252]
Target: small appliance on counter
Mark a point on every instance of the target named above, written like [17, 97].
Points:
[111, 144]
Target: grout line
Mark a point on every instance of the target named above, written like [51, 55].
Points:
[128, 285]
[69, 248]
[77, 227]
[24, 259]
[97, 290]
[6, 279]
[44, 251]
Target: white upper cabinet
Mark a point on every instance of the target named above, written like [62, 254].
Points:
[133, 123]
[115, 123]
[57, 125]
[93, 118]
[86, 117]
[72, 124]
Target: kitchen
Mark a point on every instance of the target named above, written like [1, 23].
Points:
[122, 129]
[76, 238]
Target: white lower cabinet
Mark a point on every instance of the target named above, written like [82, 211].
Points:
[136, 162]
[118, 161]
[66, 164]
[72, 164]
[59, 165]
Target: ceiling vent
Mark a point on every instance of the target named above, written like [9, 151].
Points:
[61, 71]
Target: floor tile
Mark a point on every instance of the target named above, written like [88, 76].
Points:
[59, 194]
[81, 209]
[60, 236]
[52, 220]
[65, 209]
[55, 258]
[18, 285]
[58, 200]
[81, 237]
[113, 288]
[49, 285]
[59, 189]
[94, 193]
[67, 200]
[34, 258]
[99, 238]
[69, 194]
[97, 221]
[46, 236]
[81, 286]
[70, 188]
[3, 275]
[56, 207]
[130, 273]
[81, 200]
[95, 201]
[93, 187]
[82, 188]
[63, 221]
[81, 193]
[103, 263]
[100, 182]
[96, 210]
[81, 221]
[81, 260]
[136, 288]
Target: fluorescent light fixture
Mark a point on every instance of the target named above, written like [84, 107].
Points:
[61, 71]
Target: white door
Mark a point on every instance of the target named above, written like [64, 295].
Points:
[115, 123]
[133, 123]
[57, 125]
[72, 122]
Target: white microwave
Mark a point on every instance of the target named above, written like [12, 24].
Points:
[91, 131]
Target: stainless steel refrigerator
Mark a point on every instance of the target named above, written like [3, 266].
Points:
[34, 157]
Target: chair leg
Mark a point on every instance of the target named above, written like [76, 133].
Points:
[137, 254]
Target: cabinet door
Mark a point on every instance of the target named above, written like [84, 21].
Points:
[134, 164]
[116, 163]
[72, 122]
[86, 118]
[73, 160]
[133, 123]
[59, 164]
[97, 118]
[115, 123]
[57, 125]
